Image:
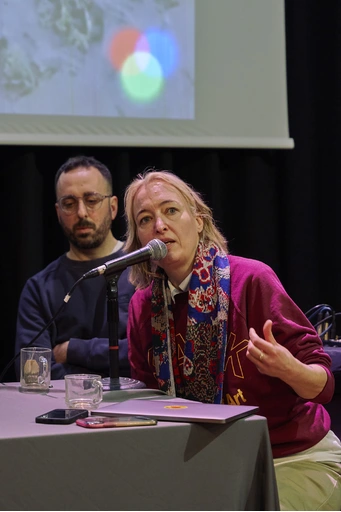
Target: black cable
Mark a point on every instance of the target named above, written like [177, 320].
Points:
[318, 311]
[65, 301]
[332, 316]
[315, 310]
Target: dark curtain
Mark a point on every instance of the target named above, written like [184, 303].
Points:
[279, 206]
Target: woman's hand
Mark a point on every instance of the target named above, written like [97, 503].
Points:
[274, 360]
[269, 356]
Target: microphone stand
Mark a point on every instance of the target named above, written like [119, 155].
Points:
[115, 382]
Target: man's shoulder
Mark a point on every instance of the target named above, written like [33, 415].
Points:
[51, 268]
[76, 267]
[67, 268]
[125, 286]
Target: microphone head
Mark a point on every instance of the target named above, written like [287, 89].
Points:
[158, 249]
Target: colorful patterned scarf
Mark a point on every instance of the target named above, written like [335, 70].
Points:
[206, 337]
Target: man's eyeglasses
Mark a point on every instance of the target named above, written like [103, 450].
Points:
[92, 201]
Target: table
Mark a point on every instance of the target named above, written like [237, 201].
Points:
[170, 466]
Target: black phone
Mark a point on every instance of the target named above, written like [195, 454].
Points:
[62, 416]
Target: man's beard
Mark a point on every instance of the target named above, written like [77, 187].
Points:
[89, 240]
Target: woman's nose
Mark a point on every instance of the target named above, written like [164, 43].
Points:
[160, 225]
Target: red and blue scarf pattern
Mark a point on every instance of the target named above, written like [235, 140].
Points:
[206, 336]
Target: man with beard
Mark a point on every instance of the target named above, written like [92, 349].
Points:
[78, 336]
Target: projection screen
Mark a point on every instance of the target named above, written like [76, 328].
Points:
[173, 73]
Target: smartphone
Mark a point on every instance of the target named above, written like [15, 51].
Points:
[62, 416]
[115, 421]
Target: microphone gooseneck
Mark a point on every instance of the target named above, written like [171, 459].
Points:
[154, 250]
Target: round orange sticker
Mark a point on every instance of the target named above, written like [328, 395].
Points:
[175, 406]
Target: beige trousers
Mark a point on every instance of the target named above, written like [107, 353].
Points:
[311, 480]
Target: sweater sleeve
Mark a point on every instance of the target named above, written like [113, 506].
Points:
[267, 298]
[93, 354]
[32, 319]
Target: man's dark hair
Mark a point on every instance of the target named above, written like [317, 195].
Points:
[83, 161]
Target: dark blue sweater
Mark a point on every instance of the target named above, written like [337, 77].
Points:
[83, 321]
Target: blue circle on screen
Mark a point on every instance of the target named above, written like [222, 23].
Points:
[163, 47]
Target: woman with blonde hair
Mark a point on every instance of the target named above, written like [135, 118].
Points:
[209, 326]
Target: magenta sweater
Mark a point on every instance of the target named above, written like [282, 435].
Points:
[257, 294]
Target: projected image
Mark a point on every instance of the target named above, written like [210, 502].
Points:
[144, 61]
[122, 58]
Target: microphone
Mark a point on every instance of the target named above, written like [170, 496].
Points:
[155, 250]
